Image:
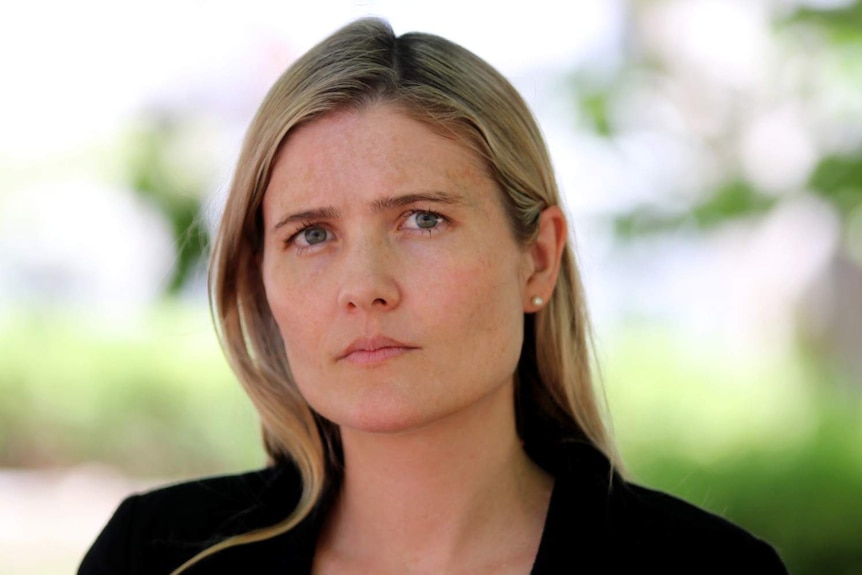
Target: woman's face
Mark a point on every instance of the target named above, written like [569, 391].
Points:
[391, 271]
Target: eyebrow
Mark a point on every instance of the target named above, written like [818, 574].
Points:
[328, 213]
[377, 206]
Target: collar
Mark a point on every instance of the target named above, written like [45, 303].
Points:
[578, 512]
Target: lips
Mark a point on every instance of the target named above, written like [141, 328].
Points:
[372, 350]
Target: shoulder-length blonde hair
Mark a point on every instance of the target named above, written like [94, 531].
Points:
[453, 91]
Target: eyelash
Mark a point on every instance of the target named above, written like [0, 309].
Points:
[291, 241]
[443, 219]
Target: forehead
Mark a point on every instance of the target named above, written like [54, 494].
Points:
[380, 147]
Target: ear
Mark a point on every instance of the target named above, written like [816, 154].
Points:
[545, 255]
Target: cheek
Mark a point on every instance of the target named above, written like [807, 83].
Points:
[479, 300]
[296, 308]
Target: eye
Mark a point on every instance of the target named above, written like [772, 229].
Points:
[310, 236]
[314, 235]
[423, 220]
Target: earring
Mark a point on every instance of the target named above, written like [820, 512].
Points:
[537, 301]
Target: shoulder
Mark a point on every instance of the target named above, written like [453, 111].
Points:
[231, 502]
[660, 526]
[622, 526]
[156, 531]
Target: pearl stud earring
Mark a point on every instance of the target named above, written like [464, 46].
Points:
[537, 301]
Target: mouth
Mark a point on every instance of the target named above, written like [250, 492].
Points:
[374, 350]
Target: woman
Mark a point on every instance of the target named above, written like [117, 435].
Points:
[395, 290]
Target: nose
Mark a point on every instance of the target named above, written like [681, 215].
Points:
[368, 281]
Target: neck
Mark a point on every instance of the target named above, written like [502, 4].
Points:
[447, 494]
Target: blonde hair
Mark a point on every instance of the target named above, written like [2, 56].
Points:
[450, 89]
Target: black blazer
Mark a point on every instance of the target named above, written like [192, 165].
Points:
[596, 523]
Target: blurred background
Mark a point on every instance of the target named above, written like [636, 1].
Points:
[710, 153]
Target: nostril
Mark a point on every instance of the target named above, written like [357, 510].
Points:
[376, 290]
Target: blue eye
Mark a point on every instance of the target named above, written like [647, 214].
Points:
[422, 220]
[314, 235]
[308, 236]
[427, 220]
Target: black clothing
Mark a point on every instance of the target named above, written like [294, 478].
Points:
[595, 524]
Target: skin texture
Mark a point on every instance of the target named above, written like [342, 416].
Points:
[454, 295]
[400, 293]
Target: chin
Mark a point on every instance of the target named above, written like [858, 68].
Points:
[385, 421]
[380, 417]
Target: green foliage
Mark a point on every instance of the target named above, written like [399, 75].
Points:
[828, 93]
[152, 399]
[841, 24]
[732, 200]
[838, 179]
[804, 501]
[750, 438]
[160, 168]
[595, 106]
